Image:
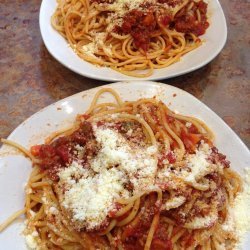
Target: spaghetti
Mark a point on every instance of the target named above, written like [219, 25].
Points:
[130, 36]
[129, 175]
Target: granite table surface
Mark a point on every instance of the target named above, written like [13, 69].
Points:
[30, 78]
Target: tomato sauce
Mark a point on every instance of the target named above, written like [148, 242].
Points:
[143, 24]
[169, 156]
[135, 233]
[140, 25]
[218, 157]
[188, 23]
[160, 240]
[61, 152]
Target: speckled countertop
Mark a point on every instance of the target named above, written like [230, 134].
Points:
[31, 79]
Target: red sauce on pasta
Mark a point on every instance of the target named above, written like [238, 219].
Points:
[188, 23]
[142, 25]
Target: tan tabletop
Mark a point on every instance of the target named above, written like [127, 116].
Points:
[30, 78]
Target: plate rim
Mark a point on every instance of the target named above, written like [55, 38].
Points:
[164, 85]
[125, 77]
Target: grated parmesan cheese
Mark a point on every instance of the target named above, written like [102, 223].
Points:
[79, 151]
[175, 202]
[91, 198]
[229, 223]
[28, 190]
[31, 240]
[44, 200]
[91, 192]
[241, 209]
[238, 218]
[196, 167]
[32, 213]
[89, 49]
[98, 43]
[121, 7]
[202, 222]
[53, 210]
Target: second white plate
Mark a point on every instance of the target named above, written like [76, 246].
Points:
[58, 47]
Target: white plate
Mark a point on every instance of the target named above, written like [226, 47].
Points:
[215, 39]
[14, 169]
